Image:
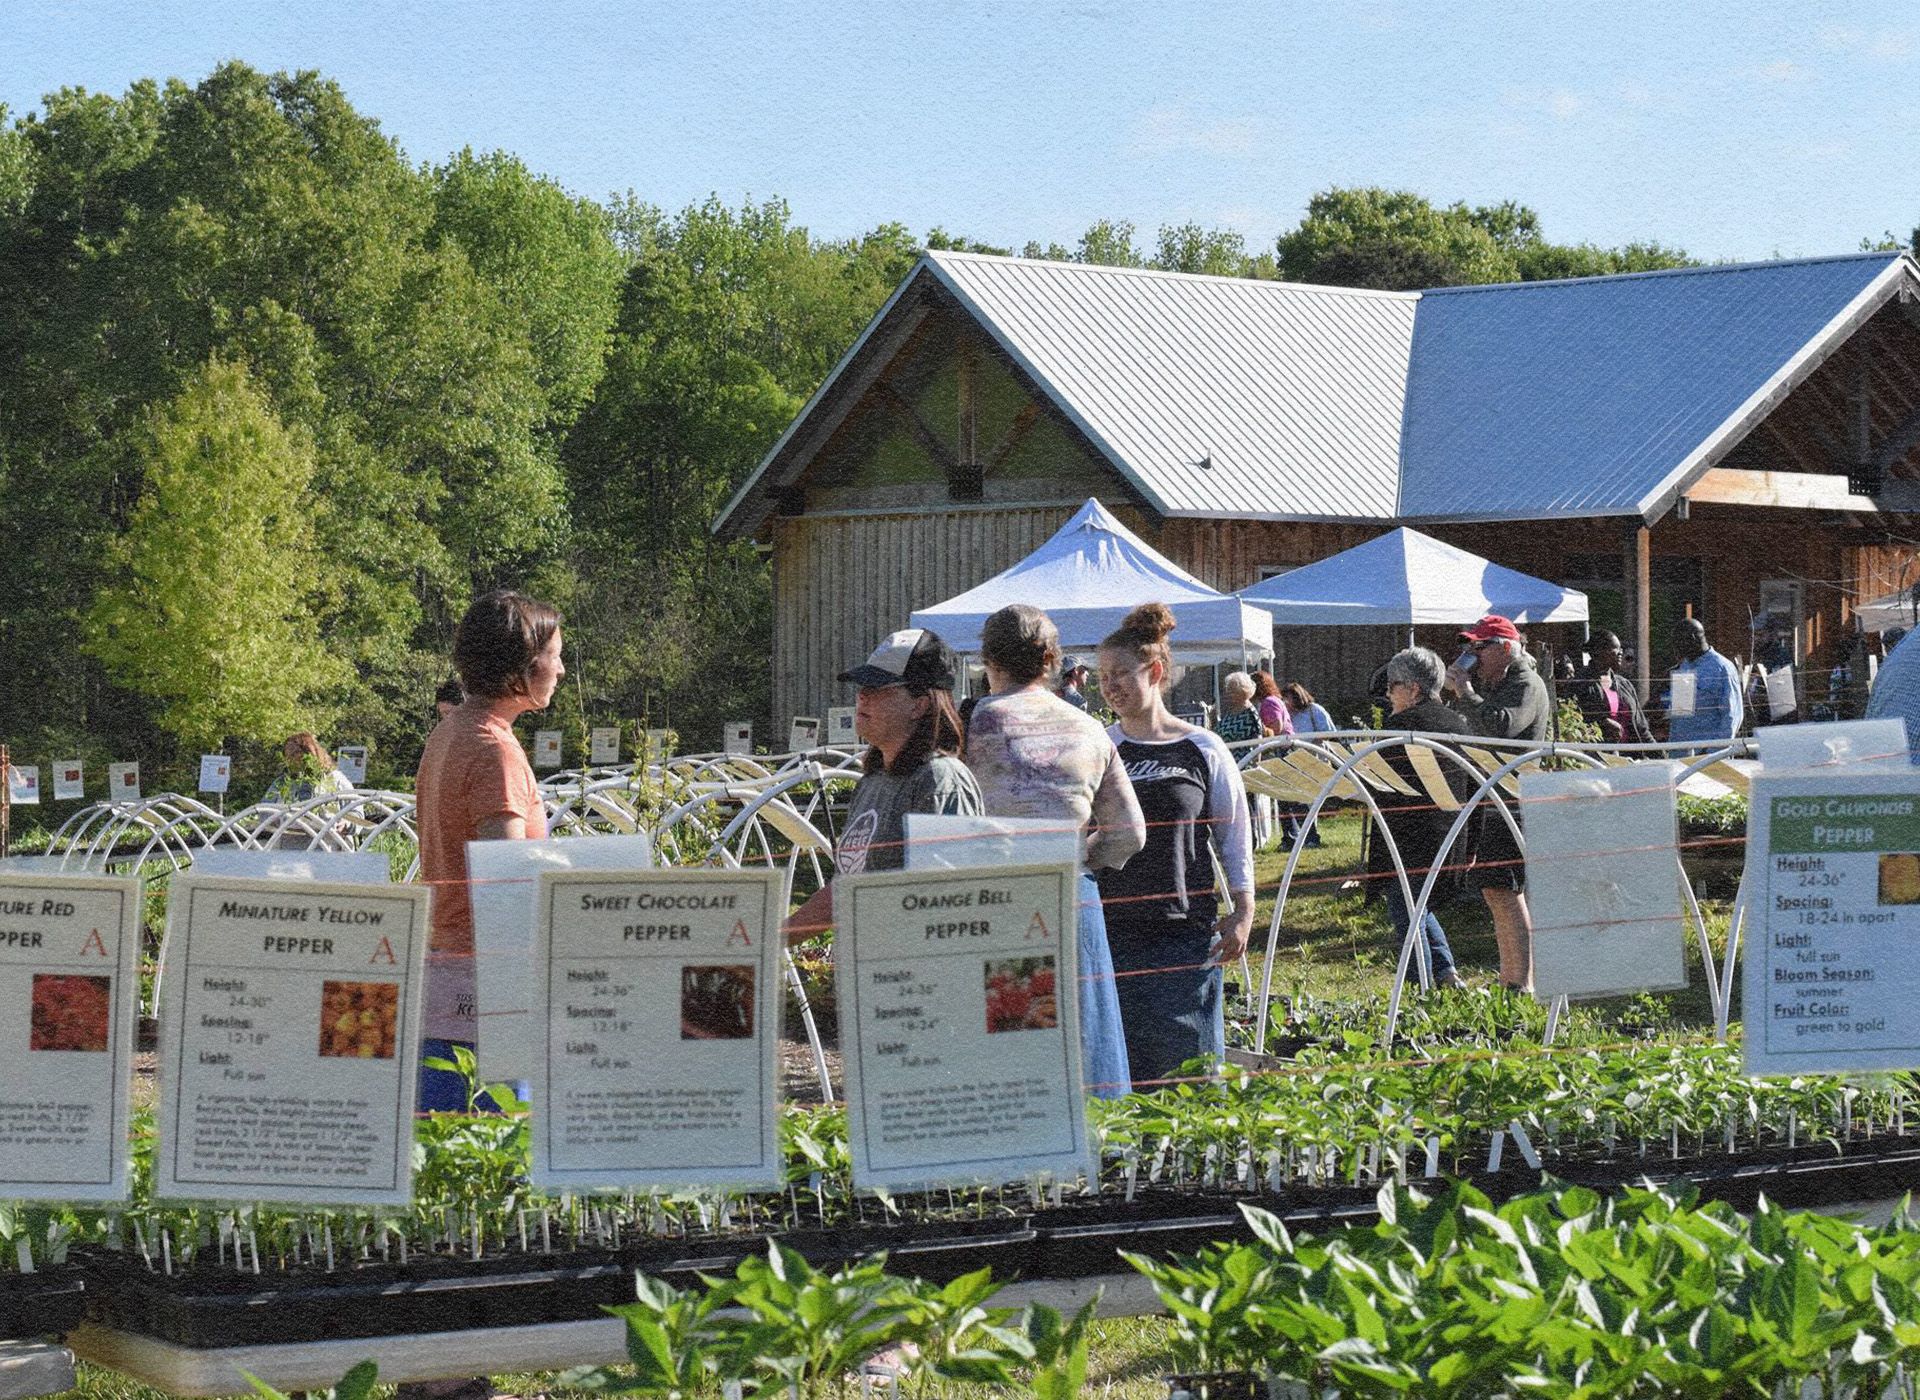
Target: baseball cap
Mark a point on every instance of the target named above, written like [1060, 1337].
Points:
[1489, 627]
[1072, 664]
[911, 657]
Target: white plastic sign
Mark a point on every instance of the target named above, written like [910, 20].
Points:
[216, 771]
[289, 1041]
[605, 747]
[960, 1025]
[123, 782]
[736, 736]
[659, 743]
[23, 784]
[1684, 689]
[505, 883]
[840, 731]
[69, 780]
[1780, 700]
[69, 951]
[1603, 880]
[1833, 884]
[1879, 743]
[339, 867]
[803, 735]
[949, 843]
[546, 748]
[352, 762]
[659, 1023]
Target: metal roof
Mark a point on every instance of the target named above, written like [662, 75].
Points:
[1596, 396]
[1534, 400]
[1291, 395]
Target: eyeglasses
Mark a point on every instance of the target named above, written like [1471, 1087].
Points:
[1483, 645]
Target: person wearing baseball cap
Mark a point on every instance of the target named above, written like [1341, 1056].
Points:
[1073, 679]
[1514, 705]
[903, 708]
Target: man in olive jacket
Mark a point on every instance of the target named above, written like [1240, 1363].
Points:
[1514, 705]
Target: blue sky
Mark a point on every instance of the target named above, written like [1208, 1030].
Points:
[1734, 131]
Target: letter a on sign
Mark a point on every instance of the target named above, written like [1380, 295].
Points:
[740, 935]
[1038, 927]
[383, 953]
[95, 946]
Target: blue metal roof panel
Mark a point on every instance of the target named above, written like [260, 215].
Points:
[1583, 397]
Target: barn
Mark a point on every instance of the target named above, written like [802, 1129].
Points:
[1740, 441]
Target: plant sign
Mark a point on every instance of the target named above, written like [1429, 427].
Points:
[69, 949]
[736, 736]
[69, 781]
[960, 1025]
[658, 1018]
[216, 771]
[1833, 918]
[352, 759]
[804, 734]
[1603, 880]
[290, 1034]
[546, 748]
[840, 727]
[123, 782]
[605, 746]
[505, 884]
[23, 784]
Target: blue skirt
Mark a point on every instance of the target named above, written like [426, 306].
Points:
[1170, 1016]
[1103, 1045]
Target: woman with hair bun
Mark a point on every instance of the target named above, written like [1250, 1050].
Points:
[1035, 755]
[1163, 908]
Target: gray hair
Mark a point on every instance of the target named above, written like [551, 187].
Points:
[1417, 667]
[1237, 683]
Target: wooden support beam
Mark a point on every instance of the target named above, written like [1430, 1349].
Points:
[966, 482]
[1801, 491]
[1639, 600]
[910, 418]
[1016, 433]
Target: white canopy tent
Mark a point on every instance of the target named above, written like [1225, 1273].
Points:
[1893, 610]
[1087, 577]
[1405, 578]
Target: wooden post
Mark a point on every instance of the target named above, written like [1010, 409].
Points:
[6, 802]
[1639, 562]
[967, 454]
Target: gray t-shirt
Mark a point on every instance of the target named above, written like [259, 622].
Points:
[875, 838]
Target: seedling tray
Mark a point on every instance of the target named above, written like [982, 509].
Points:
[41, 1304]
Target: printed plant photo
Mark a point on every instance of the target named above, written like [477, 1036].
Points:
[71, 1012]
[1020, 995]
[359, 1020]
[716, 1003]
[1900, 878]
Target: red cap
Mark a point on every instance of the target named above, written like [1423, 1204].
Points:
[1491, 626]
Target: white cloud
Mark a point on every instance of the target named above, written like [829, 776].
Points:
[1174, 126]
[1783, 70]
[1562, 104]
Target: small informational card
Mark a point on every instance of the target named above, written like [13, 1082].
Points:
[1684, 689]
[658, 1018]
[950, 843]
[605, 746]
[216, 772]
[289, 1041]
[69, 973]
[1603, 881]
[123, 782]
[546, 748]
[804, 734]
[1780, 697]
[1831, 982]
[352, 762]
[840, 731]
[69, 780]
[736, 736]
[659, 744]
[960, 1025]
[23, 784]
[1850, 743]
[505, 884]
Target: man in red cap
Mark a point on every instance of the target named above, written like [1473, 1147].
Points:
[1510, 703]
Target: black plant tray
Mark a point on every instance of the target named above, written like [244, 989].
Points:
[41, 1304]
[217, 1307]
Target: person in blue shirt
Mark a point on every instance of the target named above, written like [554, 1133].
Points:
[1896, 690]
[1717, 707]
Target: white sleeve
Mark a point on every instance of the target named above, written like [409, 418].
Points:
[1228, 823]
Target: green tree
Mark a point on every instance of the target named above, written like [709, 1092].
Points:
[211, 614]
[1391, 239]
